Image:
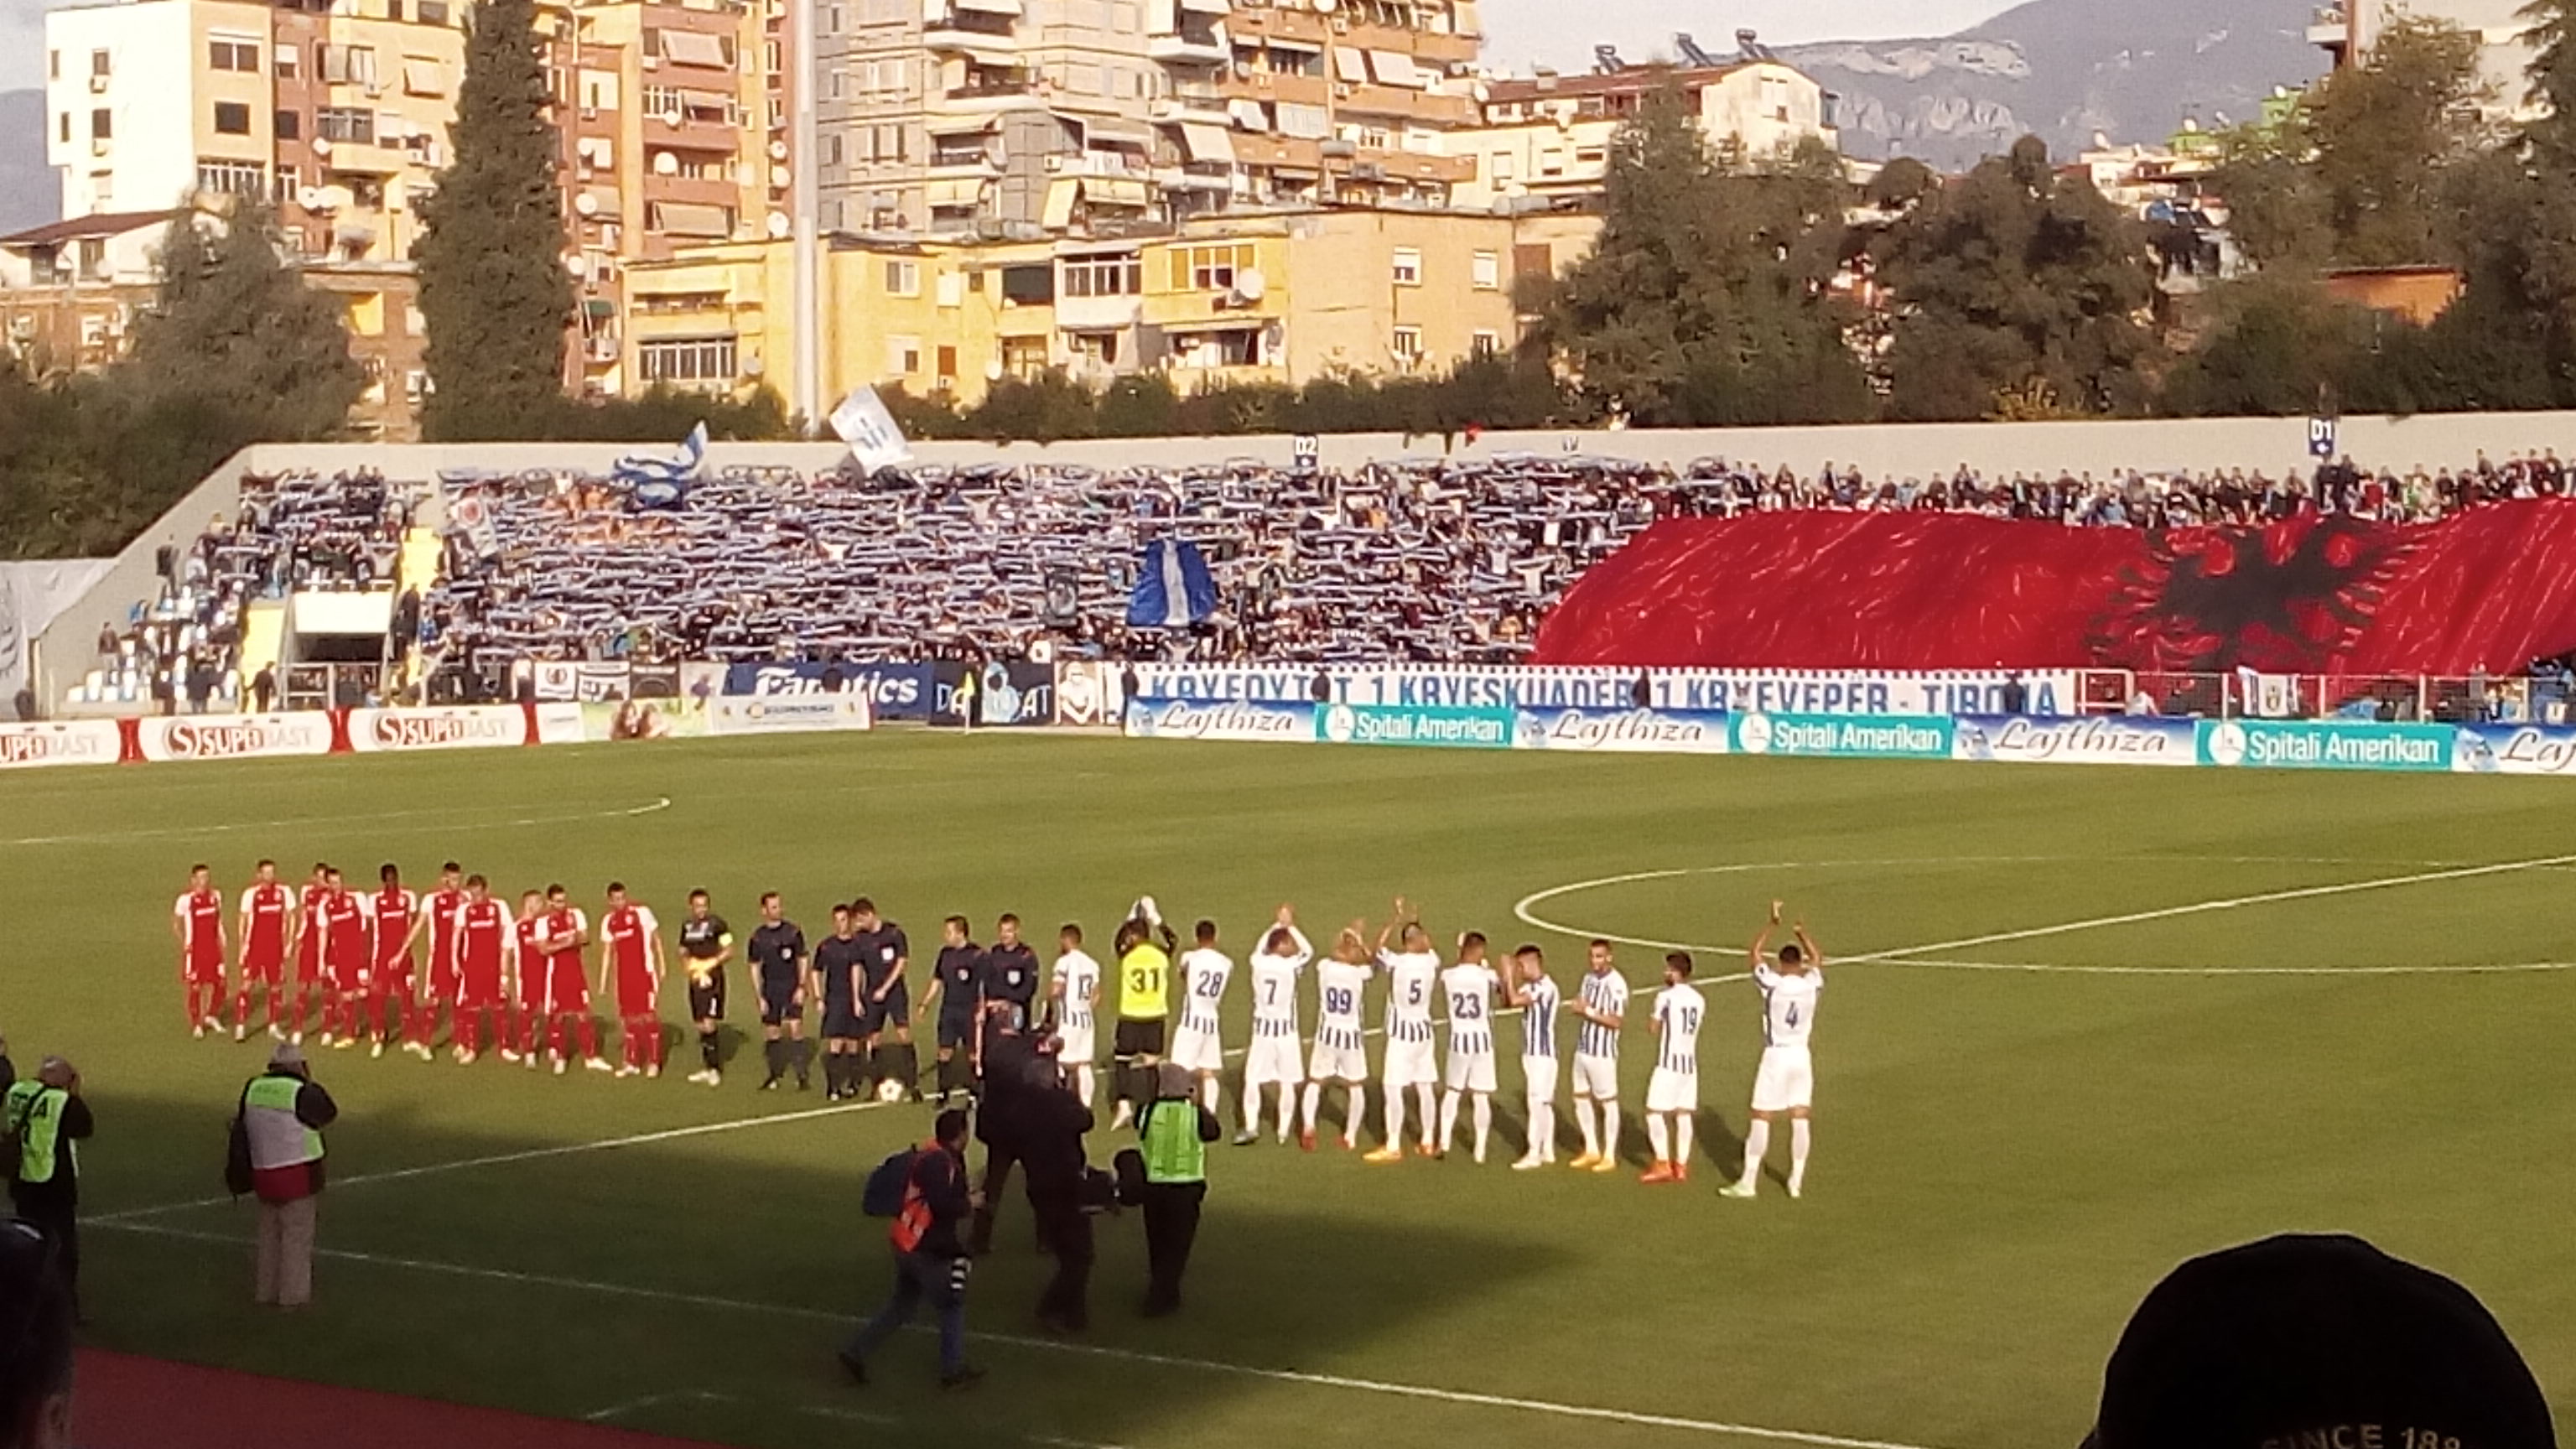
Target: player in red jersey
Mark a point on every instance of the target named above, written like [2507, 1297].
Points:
[529, 978]
[393, 915]
[197, 921]
[630, 964]
[437, 919]
[268, 922]
[308, 949]
[483, 934]
[568, 982]
[349, 956]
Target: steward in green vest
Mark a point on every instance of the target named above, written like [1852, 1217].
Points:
[46, 1116]
[1173, 1136]
[277, 1154]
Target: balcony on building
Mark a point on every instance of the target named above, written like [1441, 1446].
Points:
[693, 120]
[1197, 36]
[1251, 83]
[1192, 100]
[975, 28]
[2330, 29]
[962, 158]
[991, 88]
[1279, 23]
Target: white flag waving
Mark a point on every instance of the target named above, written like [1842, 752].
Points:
[863, 422]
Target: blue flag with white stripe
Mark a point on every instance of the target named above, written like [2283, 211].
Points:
[1173, 587]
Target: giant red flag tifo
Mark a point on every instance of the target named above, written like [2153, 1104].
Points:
[2495, 587]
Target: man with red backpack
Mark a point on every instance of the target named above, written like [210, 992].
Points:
[930, 1261]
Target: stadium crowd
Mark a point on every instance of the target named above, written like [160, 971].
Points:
[292, 532]
[1409, 560]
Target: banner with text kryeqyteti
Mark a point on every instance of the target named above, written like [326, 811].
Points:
[1821, 590]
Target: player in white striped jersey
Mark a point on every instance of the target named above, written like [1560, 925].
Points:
[1341, 985]
[1785, 1083]
[1467, 989]
[1412, 974]
[1199, 1045]
[1602, 1006]
[1672, 1094]
[1075, 991]
[1273, 1061]
[1538, 1000]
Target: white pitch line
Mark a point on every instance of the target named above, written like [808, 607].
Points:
[1525, 912]
[531, 1154]
[1384, 1387]
[2051, 968]
[331, 822]
[2230, 903]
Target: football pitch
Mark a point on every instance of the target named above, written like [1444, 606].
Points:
[2081, 1024]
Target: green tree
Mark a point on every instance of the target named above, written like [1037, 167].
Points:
[2356, 175]
[1704, 301]
[234, 332]
[2014, 276]
[492, 282]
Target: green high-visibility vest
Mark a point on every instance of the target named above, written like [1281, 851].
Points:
[36, 1110]
[278, 1138]
[1173, 1151]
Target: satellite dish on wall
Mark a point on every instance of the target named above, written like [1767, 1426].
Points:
[310, 198]
[586, 204]
[576, 266]
[321, 145]
[993, 370]
[1250, 285]
[780, 226]
[777, 150]
[665, 164]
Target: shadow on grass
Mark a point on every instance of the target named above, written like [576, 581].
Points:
[695, 1276]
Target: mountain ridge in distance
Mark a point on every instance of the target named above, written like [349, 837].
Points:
[2063, 70]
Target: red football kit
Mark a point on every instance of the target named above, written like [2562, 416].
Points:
[482, 934]
[629, 932]
[265, 911]
[200, 915]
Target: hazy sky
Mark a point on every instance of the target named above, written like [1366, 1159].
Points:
[1521, 31]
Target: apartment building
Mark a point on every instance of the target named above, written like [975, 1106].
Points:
[673, 118]
[1545, 140]
[2346, 30]
[1285, 296]
[337, 112]
[1014, 117]
[70, 292]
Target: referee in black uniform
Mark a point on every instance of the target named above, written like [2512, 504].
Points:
[1010, 976]
[706, 944]
[778, 956]
[957, 987]
[885, 956]
[837, 970]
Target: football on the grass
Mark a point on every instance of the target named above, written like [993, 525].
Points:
[889, 1090]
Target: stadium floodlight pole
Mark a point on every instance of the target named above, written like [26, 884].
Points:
[805, 314]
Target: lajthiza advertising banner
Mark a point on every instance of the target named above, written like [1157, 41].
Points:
[2094, 740]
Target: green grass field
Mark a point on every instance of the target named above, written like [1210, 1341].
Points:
[2006, 1160]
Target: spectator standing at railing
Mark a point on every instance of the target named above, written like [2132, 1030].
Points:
[263, 688]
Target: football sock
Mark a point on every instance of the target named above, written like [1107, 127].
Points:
[774, 1054]
[1448, 1121]
[800, 1052]
[707, 1049]
[1082, 1083]
[1757, 1141]
[1426, 1101]
[1394, 1117]
[907, 1067]
[1208, 1093]
[1484, 1112]
[1314, 1105]
[1681, 1139]
[1591, 1133]
[1799, 1138]
[1659, 1136]
[1358, 1110]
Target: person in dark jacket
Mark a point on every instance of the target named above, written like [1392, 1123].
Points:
[36, 1360]
[49, 1115]
[930, 1262]
[1053, 1124]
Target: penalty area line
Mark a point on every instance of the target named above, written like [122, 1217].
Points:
[1382, 1387]
[2057, 969]
[532, 1154]
[328, 823]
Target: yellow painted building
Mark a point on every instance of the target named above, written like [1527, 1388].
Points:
[1287, 297]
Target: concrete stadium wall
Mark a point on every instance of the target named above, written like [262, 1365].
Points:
[68, 647]
[2273, 445]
